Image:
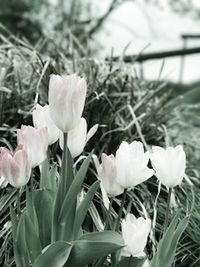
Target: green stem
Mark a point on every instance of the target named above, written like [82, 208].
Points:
[168, 209]
[108, 214]
[18, 202]
[120, 210]
[64, 164]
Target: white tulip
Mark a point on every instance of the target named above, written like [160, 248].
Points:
[107, 173]
[42, 118]
[169, 164]
[67, 95]
[36, 142]
[135, 232]
[78, 137]
[131, 162]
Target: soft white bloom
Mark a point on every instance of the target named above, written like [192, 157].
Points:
[16, 166]
[35, 141]
[78, 137]
[42, 118]
[107, 173]
[169, 164]
[67, 95]
[135, 232]
[131, 162]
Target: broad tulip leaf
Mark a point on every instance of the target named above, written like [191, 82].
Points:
[14, 221]
[83, 208]
[21, 256]
[167, 246]
[43, 201]
[131, 262]
[66, 179]
[92, 247]
[30, 210]
[74, 190]
[55, 255]
[32, 240]
[44, 177]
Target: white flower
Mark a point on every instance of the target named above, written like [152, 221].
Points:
[131, 162]
[36, 142]
[67, 95]
[135, 232]
[42, 118]
[78, 137]
[169, 164]
[107, 173]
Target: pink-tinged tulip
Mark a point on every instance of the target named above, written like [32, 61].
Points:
[78, 137]
[135, 232]
[36, 142]
[131, 162]
[41, 118]
[16, 166]
[107, 173]
[169, 164]
[67, 95]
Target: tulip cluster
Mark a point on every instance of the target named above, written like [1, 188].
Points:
[128, 169]
[62, 121]
[67, 95]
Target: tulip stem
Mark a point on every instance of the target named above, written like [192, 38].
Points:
[168, 209]
[64, 162]
[18, 201]
[120, 211]
[108, 214]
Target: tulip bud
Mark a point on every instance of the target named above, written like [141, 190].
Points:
[67, 95]
[78, 137]
[41, 118]
[36, 142]
[16, 166]
[135, 232]
[107, 173]
[169, 164]
[131, 162]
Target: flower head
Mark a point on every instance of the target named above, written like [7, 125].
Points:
[107, 173]
[42, 118]
[67, 95]
[169, 164]
[78, 137]
[131, 162]
[135, 232]
[35, 141]
[16, 166]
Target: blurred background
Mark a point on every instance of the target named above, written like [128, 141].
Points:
[127, 27]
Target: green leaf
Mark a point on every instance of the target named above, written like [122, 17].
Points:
[131, 262]
[43, 201]
[74, 190]
[32, 240]
[66, 179]
[93, 246]
[44, 177]
[55, 255]
[14, 221]
[30, 210]
[83, 208]
[21, 254]
[167, 246]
